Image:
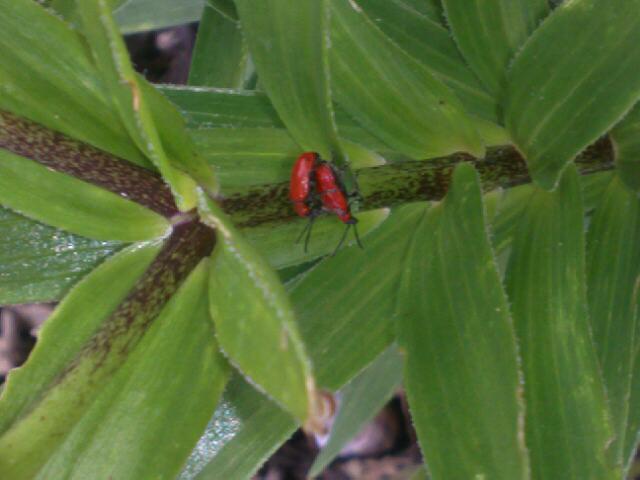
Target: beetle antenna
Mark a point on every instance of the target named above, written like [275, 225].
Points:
[355, 231]
[308, 237]
[344, 236]
[306, 230]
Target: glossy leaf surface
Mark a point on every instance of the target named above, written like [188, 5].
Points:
[462, 368]
[246, 428]
[564, 394]
[288, 42]
[559, 100]
[403, 103]
[489, 33]
[612, 278]
[39, 263]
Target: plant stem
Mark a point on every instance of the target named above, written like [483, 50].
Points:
[382, 186]
[394, 184]
[80, 160]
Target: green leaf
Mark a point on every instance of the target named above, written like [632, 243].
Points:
[346, 304]
[143, 110]
[220, 57]
[489, 33]
[432, 9]
[159, 401]
[67, 8]
[360, 400]
[402, 102]
[248, 156]
[462, 368]
[430, 43]
[225, 7]
[88, 340]
[560, 100]
[254, 321]
[288, 42]
[78, 207]
[141, 15]
[244, 431]
[568, 433]
[282, 246]
[626, 138]
[39, 263]
[72, 324]
[209, 108]
[63, 91]
[613, 274]
[510, 207]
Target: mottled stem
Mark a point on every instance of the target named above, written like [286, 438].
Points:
[382, 186]
[395, 184]
[66, 155]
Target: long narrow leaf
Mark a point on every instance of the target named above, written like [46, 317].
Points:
[65, 202]
[147, 418]
[95, 331]
[568, 432]
[353, 292]
[430, 43]
[207, 108]
[254, 320]
[462, 369]
[142, 109]
[573, 80]
[489, 33]
[63, 91]
[613, 274]
[220, 57]
[288, 42]
[401, 101]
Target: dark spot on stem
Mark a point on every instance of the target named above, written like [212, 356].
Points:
[84, 162]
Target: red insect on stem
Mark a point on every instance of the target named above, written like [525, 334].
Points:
[302, 183]
[315, 188]
[302, 192]
[334, 199]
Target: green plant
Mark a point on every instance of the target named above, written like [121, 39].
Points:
[160, 216]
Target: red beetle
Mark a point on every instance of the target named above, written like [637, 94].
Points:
[314, 188]
[302, 183]
[334, 199]
[302, 194]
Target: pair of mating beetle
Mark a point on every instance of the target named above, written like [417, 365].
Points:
[316, 188]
